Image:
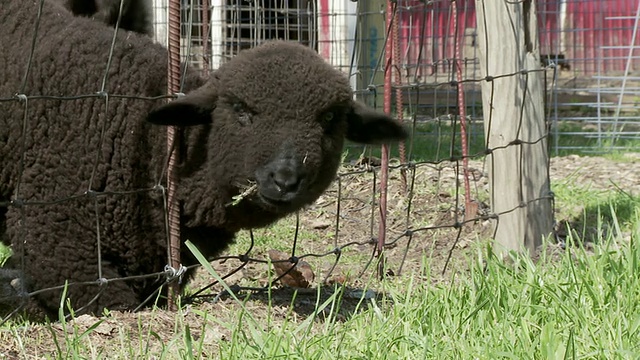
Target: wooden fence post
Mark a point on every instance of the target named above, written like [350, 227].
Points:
[514, 118]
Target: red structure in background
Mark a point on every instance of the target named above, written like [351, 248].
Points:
[579, 33]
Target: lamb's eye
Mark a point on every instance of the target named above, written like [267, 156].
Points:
[244, 116]
[327, 117]
[238, 107]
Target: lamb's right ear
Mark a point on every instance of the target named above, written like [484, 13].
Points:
[192, 109]
[367, 126]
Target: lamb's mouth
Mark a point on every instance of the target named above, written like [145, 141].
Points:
[273, 203]
[282, 202]
[256, 194]
[268, 196]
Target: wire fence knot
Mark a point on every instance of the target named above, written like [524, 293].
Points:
[173, 274]
[21, 97]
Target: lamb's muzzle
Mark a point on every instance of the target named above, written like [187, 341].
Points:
[281, 180]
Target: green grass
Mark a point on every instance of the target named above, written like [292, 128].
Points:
[577, 305]
[593, 213]
[263, 238]
[587, 307]
[582, 306]
[5, 252]
[439, 140]
[575, 138]
[431, 141]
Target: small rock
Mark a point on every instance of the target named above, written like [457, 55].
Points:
[320, 224]
[361, 294]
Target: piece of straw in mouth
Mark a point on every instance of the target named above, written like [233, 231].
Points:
[247, 192]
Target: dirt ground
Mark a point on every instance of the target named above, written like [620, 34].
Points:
[435, 208]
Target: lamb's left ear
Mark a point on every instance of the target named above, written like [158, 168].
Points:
[368, 126]
[193, 109]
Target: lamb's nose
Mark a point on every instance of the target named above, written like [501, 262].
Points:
[286, 179]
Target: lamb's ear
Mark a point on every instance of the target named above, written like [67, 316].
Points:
[368, 126]
[192, 109]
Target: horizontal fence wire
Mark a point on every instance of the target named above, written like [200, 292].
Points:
[426, 198]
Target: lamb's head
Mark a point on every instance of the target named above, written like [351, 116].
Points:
[278, 117]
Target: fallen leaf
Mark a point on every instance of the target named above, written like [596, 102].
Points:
[301, 276]
[337, 279]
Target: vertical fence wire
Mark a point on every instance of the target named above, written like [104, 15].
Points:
[173, 146]
[206, 30]
[470, 211]
[384, 158]
[397, 76]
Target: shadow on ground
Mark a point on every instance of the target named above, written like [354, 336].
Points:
[325, 302]
[600, 219]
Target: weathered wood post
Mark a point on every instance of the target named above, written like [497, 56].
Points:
[514, 122]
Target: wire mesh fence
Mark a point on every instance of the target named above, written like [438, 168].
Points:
[594, 44]
[418, 60]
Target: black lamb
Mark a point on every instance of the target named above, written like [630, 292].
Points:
[88, 168]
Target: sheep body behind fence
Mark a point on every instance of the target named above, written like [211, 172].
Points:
[93, 145]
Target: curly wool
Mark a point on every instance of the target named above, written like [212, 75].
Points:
[63, 144]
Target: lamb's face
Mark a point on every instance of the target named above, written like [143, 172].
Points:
[286, 108]
[279, 115]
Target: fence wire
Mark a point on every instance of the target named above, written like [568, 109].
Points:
[427, 208]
